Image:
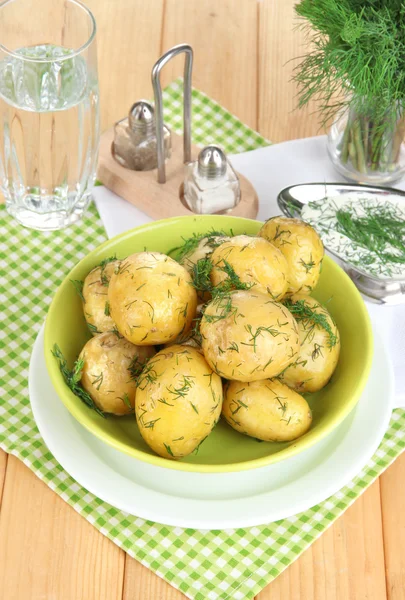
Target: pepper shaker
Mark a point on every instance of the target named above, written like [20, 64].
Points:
[135, 144]
[211, 184]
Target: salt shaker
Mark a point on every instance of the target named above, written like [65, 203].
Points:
[135, 145]
[211, 184]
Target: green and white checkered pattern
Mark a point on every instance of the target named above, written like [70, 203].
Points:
[205, 565]
[212, 124]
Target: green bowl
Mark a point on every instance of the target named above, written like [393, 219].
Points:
[225, 449]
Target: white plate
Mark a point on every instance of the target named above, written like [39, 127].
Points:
[214, 501]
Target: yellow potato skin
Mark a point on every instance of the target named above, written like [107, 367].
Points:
[317, 359]
[178, 401]
[302, 248]
[95, 294]
[105, 374]
[266, 410]
[255, 261]
[246, 336]
[151, 298]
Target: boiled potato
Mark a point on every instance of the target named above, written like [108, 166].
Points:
[255, 262]
[152, 299]
[178, 401]
[320, 346]
[203, 249]
[266, 410]
[95, 296]
[110, 363]
[302, 248]
[246, 336]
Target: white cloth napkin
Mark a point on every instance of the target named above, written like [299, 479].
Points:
[270, 170]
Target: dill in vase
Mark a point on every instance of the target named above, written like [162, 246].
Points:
[355, 69]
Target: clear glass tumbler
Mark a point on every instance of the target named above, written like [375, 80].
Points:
[49, 110]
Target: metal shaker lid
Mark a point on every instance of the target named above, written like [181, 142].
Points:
[212, 162]
[141, 115]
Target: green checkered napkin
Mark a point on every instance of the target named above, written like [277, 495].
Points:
[205, 565]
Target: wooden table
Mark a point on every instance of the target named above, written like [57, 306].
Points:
[49, 552]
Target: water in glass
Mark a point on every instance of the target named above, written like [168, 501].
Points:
[49, 134]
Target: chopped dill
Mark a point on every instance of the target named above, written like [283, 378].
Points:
[301, 311]
[105, 280]
[151, 311]
[72, 379]
[93, 329]
[135, 367]
[376, 231]
[98, 380]
[223, 305]
[308, 266]
[78, 285]
[122, 268]
[232, 282]
[116, 332]
[126, 401]
[259, 331]
[191, 243]
[148, 374]
[317, 351]
[201, 275]
[105, 261]
[184, 387]
[107, 309]
[168, 449]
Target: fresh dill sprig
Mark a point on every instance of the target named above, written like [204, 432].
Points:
[72, 379]
[232, 281]
[191, 243]
[301, 311]
[357, 56]
[201, 275]
[78, 285]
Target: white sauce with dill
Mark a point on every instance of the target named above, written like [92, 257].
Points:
[323, 216]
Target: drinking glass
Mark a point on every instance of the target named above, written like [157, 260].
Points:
[49, 110]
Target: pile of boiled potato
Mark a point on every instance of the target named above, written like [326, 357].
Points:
[228, 328]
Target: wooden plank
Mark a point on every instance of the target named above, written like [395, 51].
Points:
[142, 584]
[3, 467]
[224, 37]
[345, 563]
[128, 44]
[49, 551]
[279, 42]
[392, 484]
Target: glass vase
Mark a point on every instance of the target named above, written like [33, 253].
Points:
[368, 150]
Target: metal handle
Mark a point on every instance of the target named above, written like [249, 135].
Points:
[157, 90]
